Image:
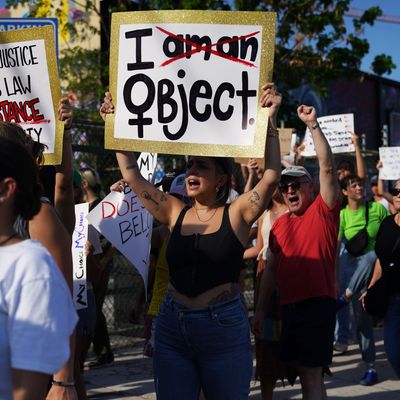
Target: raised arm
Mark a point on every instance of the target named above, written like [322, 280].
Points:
[360, 164]
[164, 207]
[381, 186]
[252, 204]
[64, 191]
[329, 187]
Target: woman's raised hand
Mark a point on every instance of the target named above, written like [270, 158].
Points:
[107, 106]
[307, 114]
[271, 98]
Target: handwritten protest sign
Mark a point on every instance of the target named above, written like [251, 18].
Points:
[29, 86]
[390, 157]
[123, 220]
[336, 129]
[188, 82]
[79, 238]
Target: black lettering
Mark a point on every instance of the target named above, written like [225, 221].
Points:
[201, 41]
[233, 47]
[245, 93]
[178, 46]
[139, 64]
[139, 110]
[164, 98]
[195, 93]
[245, 44]
[219, 114]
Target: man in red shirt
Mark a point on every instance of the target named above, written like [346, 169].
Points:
[301, 263]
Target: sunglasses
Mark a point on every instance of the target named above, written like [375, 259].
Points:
[394, 192]
[284, 187]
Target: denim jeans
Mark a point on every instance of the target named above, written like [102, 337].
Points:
[355, 272]
[206, 348]
[392, 333]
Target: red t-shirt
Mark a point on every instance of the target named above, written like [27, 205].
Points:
[305, 250]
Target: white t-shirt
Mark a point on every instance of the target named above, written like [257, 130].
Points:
[37, 314]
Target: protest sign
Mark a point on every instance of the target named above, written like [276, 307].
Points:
[390, 157]
[189, 82]
[286, 140]
[79, 238]
[336, 129]
[29, 86]
[123, 220]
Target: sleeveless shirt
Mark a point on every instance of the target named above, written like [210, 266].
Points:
[200, 262]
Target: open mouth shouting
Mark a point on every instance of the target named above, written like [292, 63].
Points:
[193, 183]
[294, 200]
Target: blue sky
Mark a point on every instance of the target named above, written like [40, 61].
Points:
[383, 37]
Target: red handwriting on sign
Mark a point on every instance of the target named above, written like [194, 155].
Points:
[208, 48]
[108, 209]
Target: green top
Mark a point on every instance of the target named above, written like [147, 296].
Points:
[351, 221]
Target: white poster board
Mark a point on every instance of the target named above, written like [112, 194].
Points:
[29, 86]
[79, 238]
[122, 220]
[336, 129]
[390, 157]
[188, 82]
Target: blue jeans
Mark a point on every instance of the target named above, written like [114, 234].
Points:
[356, 271]
[206, 348]
[392, 333]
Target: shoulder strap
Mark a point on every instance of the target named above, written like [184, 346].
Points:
[179, 220]
[366, 213]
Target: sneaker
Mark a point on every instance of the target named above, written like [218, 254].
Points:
[341, 302]
[102, 360]
[369, 378]
[340, 347]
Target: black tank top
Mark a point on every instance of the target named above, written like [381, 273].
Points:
[199, 262]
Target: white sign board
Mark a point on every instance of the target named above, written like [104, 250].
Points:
[122, 219]
[336, 129]
[29, 86]
[190, 80]
[390, 157]
[79, 238]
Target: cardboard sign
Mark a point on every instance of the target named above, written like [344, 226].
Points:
[336, 129]
[79, 238]
[29, 86]
[122, 220]
[189, 82]
[286, 140]
[390, 157]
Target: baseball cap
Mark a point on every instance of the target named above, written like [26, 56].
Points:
[178, 186]
[296, 170]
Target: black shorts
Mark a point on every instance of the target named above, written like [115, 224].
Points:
[308, 328]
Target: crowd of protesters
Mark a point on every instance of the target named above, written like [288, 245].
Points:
[307, 274]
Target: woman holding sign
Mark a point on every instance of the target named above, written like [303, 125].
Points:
[202, 333]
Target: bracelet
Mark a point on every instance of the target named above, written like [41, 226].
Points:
[272, 131]
[63, 384]
[315, 126]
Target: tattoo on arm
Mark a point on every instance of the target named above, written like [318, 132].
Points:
[163, 197]
[147, 196]
[254, 198]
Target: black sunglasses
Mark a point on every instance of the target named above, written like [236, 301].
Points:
[394, 192]
[294, 185]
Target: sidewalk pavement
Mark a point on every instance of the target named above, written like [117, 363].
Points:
[130, 377]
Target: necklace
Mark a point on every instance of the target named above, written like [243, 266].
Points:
[204, 220]
[8, 239]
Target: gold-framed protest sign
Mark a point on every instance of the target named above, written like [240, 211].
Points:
[189, 82]
[30, 88]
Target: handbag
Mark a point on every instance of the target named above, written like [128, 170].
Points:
[376, 300]
[357, 244]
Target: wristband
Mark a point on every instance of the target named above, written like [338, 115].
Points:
[63, 384]
[315, 126]
[272, 132]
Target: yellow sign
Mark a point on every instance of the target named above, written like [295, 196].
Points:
[29, 86]
[189, 82]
